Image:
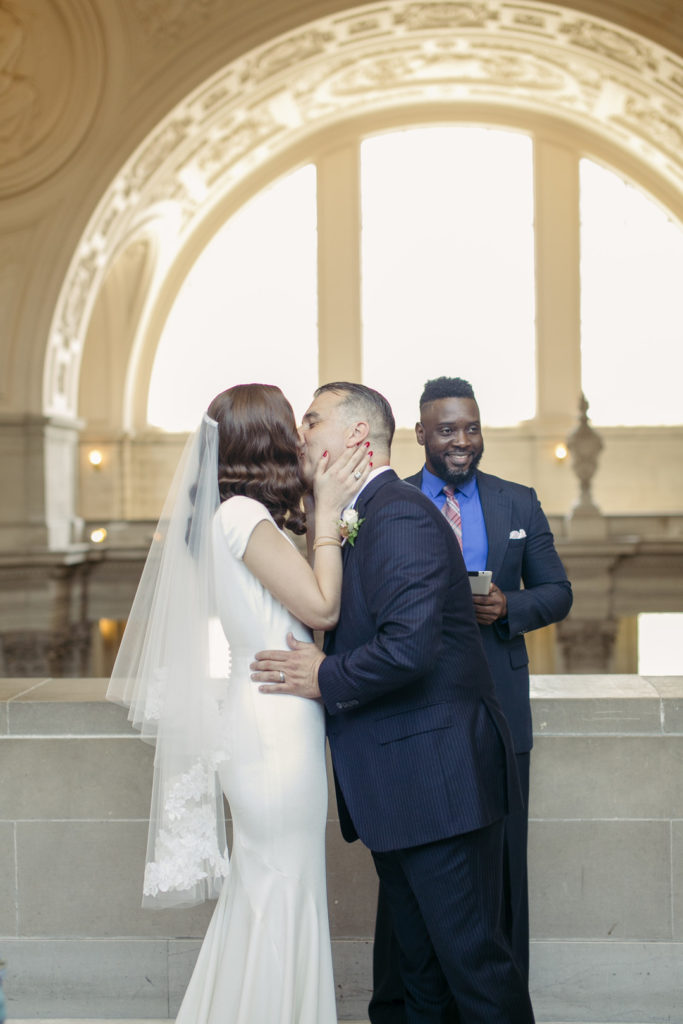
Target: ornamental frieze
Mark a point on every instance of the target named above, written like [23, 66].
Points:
[437, 16]
[607, 42]
[171, 19]
[285, 55]
[664, 132]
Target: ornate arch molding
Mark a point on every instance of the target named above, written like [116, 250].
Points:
[541, 59]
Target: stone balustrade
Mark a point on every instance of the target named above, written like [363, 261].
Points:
[606, 859]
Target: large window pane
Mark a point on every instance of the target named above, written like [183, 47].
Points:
[448, 266]
[631, 303]
[247, 310]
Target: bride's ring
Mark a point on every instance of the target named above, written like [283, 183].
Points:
[282, 676]
[357, 474]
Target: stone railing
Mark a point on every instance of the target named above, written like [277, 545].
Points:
[606, 859]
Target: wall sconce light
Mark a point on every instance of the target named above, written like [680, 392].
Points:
[561, 451]
[99, 535]
[95, 458]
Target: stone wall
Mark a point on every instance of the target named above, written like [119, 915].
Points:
[606, 859]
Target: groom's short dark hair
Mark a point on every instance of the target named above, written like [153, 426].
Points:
[374, 407]
[446, 387]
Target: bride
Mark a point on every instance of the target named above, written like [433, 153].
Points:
[222, 581]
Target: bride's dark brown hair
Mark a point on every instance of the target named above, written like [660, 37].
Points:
[258, 450]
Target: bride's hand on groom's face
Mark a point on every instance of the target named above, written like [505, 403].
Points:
[336, 483]
[294, 671]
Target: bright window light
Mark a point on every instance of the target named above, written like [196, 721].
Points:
[448, 266]
[247, 310]
[659, 644]
[631, 305]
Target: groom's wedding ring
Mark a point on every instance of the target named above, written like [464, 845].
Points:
[282, 676]
[357, 474]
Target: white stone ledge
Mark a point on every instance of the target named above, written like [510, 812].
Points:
[612, 687]
[574, 687]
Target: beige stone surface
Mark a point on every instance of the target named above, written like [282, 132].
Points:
[600, 880]
[64, 690]
[94, 883]
[606, 869]
[603, 777]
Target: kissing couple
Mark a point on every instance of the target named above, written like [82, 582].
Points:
[218, 668]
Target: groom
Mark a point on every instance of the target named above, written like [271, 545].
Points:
[423, 763]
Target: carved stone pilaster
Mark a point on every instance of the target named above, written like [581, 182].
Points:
[39, 459]
[587, 645]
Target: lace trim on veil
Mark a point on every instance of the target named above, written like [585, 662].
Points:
[187, 849]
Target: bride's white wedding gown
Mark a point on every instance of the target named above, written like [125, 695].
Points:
[266, 957]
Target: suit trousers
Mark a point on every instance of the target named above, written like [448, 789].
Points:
[387, 1003]
[445, 903]
[515, 876]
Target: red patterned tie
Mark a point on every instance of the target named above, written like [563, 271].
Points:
[451, 510]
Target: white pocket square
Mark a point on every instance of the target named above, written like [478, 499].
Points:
[517, 534]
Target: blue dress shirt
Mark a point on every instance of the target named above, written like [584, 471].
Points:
[475, 542]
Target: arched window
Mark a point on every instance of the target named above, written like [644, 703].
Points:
[446, 255]
[448, 266]
[631, 306]
[247, 310]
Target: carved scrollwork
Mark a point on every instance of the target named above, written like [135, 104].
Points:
[663, 130]
[284, 55]
[623, 47]
[437, 16]
[170, 19]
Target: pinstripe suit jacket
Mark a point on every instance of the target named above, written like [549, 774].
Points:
[420, 748]
[529, 557]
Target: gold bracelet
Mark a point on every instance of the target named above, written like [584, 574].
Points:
[328, 542]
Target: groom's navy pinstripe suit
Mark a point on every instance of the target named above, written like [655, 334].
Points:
[424, 765]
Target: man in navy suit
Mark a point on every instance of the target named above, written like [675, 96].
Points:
[503, 529]
[423, 761]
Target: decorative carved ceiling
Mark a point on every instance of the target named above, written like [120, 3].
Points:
[172, 19]
[51, 74]
[465, 53]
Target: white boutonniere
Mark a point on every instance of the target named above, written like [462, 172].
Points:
[349, 525]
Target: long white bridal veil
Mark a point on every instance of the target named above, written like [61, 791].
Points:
[172, 672]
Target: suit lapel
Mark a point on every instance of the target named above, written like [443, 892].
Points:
[365, 501]
[497, 509]
[371, 489]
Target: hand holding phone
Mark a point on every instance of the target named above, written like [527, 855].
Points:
[480, 581]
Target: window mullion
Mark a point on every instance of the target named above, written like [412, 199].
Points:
[339, 272]
[558, 307]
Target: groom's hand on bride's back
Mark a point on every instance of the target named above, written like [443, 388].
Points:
[294, 671]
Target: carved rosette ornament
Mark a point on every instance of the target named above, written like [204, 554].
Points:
[46, 105]
[541, 58]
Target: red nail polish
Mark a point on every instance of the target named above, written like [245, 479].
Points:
[367, 445]
[324, 455]
[370, 465]
[371, 453]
